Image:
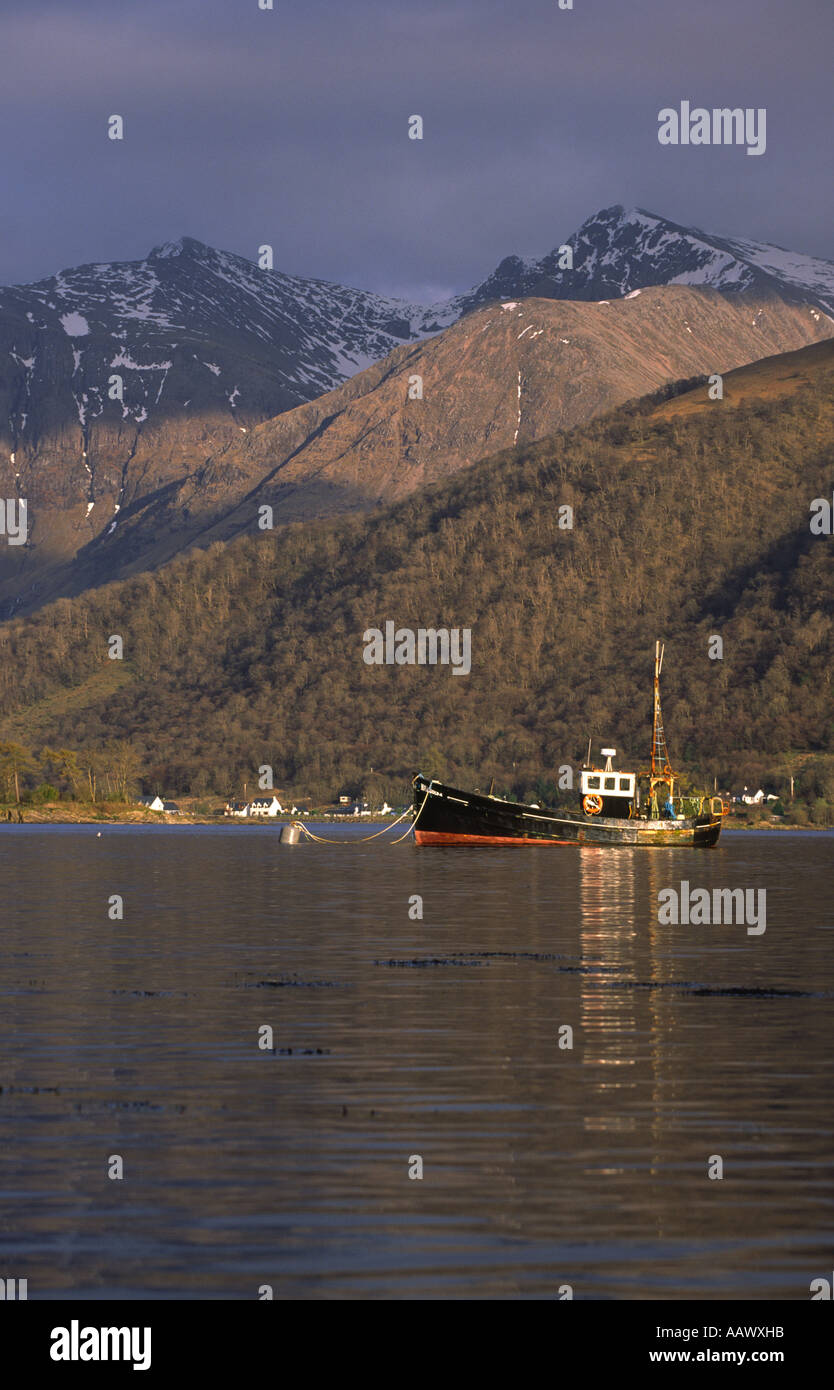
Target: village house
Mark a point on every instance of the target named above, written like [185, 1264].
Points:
[265, 806]
[152, 803]
[236, 808]
[756, 798]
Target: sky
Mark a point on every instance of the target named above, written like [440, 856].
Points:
[289, 127]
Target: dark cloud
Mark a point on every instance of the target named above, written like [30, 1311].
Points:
[290, 127]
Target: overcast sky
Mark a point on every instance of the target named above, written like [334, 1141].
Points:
[289, 126]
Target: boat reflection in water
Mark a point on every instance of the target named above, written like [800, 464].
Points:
[609, 1024]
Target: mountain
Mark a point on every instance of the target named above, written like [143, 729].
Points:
[621, 250]
[186, 300]
[207, 347]
[204, 344]
[687, 523]
[511, 373]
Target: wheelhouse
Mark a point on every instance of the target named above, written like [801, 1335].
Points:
[608, 791]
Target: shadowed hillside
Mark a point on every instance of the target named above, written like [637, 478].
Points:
[503, 375]
[688, 522]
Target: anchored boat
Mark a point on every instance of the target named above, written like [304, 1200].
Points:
[617, 807]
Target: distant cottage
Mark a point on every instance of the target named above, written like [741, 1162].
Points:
[258, 806]
[265, 806]
[155, 803]
[757, 798]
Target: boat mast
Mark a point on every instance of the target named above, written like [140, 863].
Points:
[660, 753]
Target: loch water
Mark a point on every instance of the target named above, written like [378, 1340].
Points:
[397, 1037]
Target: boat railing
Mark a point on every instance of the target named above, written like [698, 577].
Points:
[690, 807]
[687, 807]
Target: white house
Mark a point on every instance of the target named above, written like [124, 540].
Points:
[757, 798]
[265, 806]
[152, 803]
[236, 808]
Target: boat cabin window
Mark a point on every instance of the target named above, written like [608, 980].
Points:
[619, 784]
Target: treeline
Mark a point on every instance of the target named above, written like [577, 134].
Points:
[108, 773]
[687, 528]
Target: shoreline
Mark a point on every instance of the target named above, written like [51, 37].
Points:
[107, 815]
[49, 815]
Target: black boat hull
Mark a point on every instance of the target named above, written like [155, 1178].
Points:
[448, 816]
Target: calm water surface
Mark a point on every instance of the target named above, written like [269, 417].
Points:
[439, 1037]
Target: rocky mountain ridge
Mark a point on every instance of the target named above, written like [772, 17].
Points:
[126, 387]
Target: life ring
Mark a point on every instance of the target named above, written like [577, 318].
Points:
[592, 805]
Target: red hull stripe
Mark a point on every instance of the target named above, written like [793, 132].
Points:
[436, 837]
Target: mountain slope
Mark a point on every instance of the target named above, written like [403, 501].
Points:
[203, 346]
[118, 379]
[508, 374]
[767, 380]
[252, 652]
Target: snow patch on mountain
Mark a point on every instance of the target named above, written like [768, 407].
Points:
[75, 325]
[124, 359]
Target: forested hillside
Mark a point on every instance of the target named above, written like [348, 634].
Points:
[686, 524]
[500, 376]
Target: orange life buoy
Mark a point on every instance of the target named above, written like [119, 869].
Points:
[592, 805]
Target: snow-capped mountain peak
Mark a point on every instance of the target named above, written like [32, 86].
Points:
[620, 250]
[184, 246]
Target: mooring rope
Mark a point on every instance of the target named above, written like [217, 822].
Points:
[363, 839]
[400, 839]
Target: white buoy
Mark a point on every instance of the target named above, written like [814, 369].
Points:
[290, 835]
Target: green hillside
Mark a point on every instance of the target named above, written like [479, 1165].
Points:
[686, 524]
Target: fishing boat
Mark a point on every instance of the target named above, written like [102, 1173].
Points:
[616, 807]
